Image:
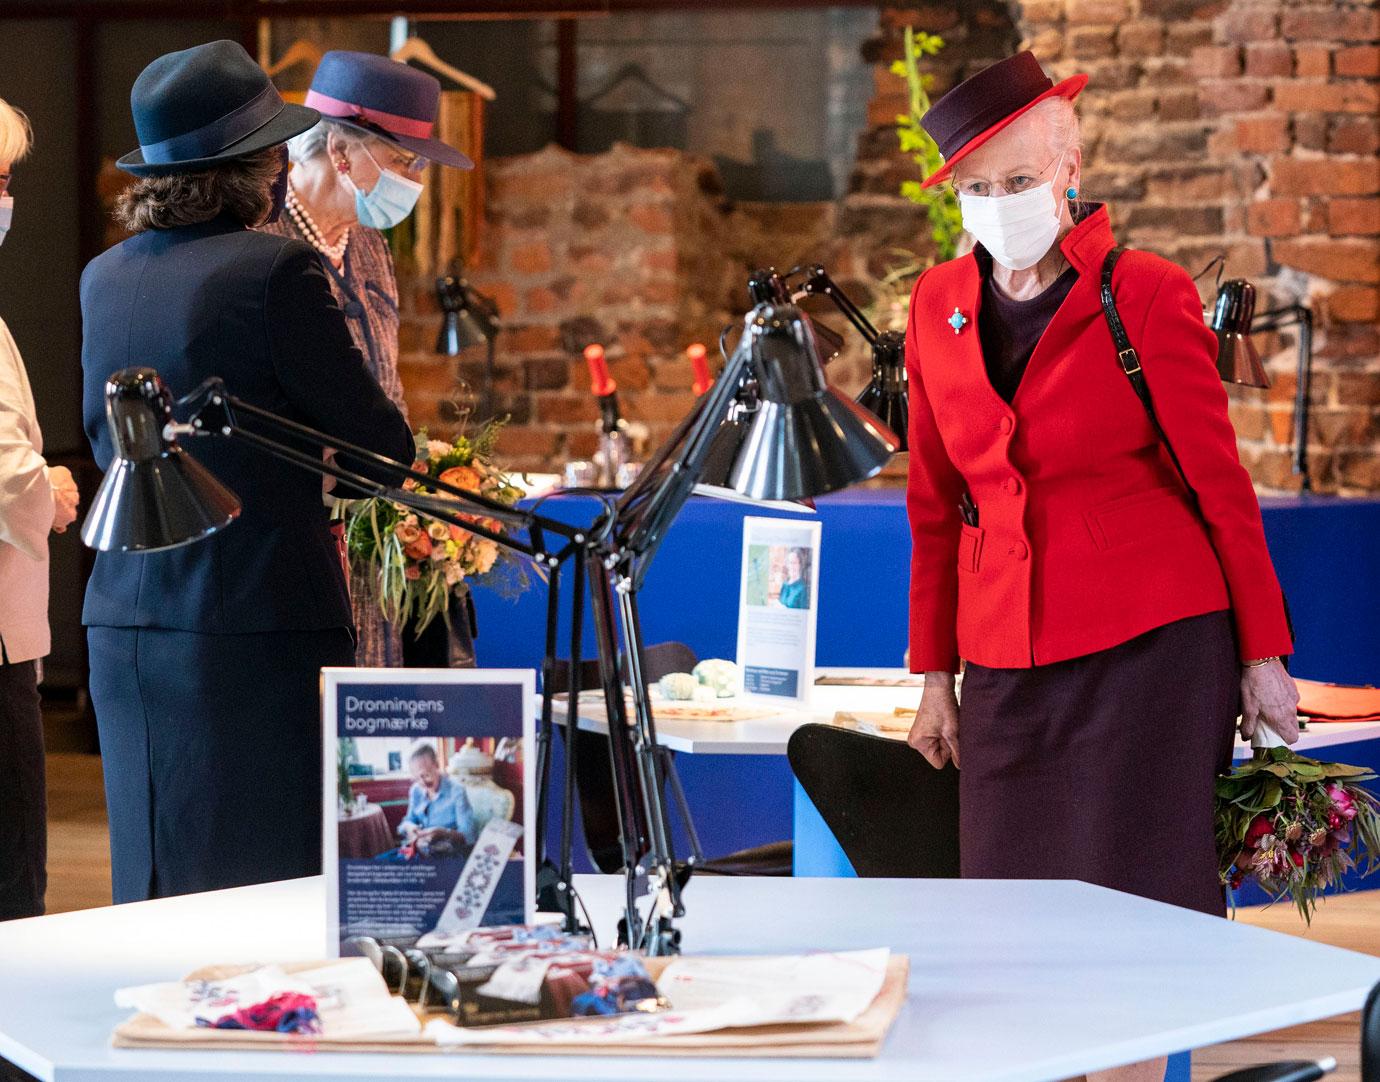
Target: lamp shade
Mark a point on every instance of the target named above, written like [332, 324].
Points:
[154, 495]
[885, 394]
[805, 439]
[464, 323]
[1237, 358]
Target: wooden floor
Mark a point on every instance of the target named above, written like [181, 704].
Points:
[79, 877]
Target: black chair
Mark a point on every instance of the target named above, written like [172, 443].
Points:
[594, 779]
[894, 815]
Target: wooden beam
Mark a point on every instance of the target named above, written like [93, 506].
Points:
[383, 9]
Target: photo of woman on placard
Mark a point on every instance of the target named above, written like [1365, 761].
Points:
[795, 589]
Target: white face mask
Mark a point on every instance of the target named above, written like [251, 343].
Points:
[6, 215]
[1017, 230]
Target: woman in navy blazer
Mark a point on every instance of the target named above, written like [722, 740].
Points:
[205, 659]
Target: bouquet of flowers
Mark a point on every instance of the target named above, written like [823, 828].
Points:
[1295, 825]
[419, 563]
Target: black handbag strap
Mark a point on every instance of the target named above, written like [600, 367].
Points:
[1130, 363]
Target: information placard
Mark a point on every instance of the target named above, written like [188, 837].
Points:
[778, 608]
[429, 804]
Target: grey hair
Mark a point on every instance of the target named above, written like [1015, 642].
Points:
[312, 142]
[1061, 122]
[424, 747]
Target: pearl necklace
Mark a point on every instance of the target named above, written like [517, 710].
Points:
[312, 232]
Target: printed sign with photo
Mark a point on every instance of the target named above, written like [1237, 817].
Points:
[777, 608]
[429, 806]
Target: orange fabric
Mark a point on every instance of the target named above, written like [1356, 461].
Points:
[1086, 538]
[1338, 702]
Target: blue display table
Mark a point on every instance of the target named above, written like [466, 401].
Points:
[1324, 549]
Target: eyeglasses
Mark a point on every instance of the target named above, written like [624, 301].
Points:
[405, 162]
[1012, 184]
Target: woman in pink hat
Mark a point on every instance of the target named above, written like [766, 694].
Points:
[355, 174]
[1115, 616]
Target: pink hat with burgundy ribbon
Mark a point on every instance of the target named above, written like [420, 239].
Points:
[384, 98]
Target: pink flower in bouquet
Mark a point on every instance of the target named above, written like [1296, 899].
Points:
[1342, 802]
[463, 477]
[1260, 828]
[413, 572]
[407, 532]
[1296, 857]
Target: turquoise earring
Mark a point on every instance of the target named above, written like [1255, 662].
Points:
[1070, 192]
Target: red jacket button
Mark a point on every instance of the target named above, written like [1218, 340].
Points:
[1019, 550]
[1011, 485]
[1007, 424]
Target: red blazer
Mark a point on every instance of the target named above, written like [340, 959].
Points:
[1086, 537]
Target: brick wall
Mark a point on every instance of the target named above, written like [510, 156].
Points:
[1244, 126]
[1250, 127]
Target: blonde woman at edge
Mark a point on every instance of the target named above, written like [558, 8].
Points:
[35, 498]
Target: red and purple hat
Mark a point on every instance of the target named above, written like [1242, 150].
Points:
[982, 105]
[384, 98]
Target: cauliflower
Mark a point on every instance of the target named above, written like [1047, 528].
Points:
[719, 674]
[704, 694]
[677, 685]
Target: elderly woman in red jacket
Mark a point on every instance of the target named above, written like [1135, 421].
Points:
[1113, 628]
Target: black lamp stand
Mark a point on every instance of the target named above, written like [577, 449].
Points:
[610, 556]
[1273, 320]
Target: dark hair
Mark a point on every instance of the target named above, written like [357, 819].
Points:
[241, 187]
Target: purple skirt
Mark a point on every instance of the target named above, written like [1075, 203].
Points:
[1101, 768]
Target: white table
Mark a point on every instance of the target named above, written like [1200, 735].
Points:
[1010, 981]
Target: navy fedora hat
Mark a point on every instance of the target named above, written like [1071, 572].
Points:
[385, 98]
[199, 107]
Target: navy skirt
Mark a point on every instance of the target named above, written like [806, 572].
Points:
[211, 746]
[1101, 768]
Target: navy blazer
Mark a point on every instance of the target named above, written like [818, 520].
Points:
[217, 299]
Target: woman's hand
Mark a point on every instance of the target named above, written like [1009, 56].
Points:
[1269, 697]
[66, 498]
[934, 733]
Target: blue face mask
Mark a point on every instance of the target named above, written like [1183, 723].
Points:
[6, 214]
[390, 201]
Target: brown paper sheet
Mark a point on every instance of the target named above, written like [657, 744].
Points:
[860, 1039]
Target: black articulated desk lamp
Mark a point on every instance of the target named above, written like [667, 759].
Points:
[802, 440]
[1234, 320]
[468, 318]
[884, 397]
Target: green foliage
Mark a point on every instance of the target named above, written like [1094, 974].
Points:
[940, 203]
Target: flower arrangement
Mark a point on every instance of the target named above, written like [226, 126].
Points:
[419, 563]
[1294, 825]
